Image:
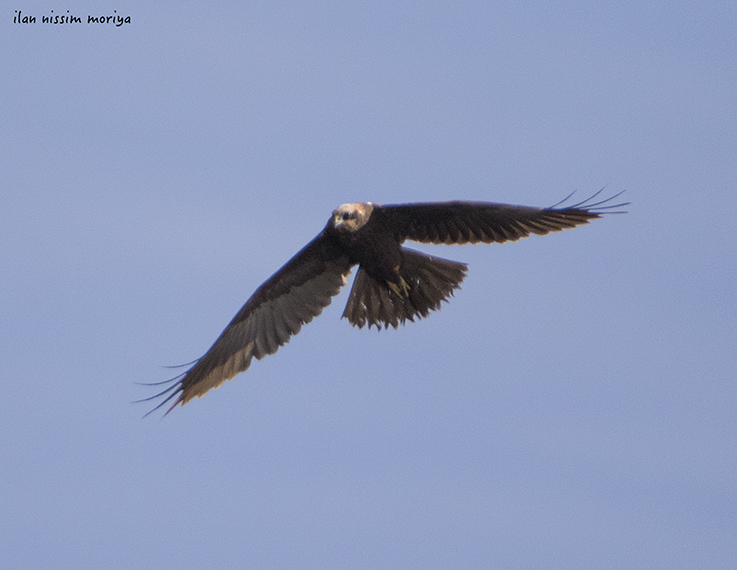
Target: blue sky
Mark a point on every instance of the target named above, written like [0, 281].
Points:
[572, 407]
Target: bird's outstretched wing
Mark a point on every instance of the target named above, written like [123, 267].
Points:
[291, 297]
[485, 222]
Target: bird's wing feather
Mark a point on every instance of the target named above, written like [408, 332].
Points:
[293, 296]
[482, 222]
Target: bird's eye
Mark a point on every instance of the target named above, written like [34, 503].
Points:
[347, 216]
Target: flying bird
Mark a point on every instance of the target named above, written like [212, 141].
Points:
[393, 284]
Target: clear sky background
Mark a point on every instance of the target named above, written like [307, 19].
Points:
[574, 406]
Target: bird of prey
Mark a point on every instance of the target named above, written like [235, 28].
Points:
[393, 284]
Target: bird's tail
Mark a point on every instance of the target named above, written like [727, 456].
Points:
[428, 281]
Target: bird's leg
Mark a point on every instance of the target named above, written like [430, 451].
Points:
[401, 290]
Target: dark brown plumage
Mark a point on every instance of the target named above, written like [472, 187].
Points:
[393, 284]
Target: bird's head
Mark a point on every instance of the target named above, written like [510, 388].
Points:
[351, 217]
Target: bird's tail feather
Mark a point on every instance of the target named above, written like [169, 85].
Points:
[431, 280]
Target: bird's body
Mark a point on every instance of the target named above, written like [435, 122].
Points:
[393, 284]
